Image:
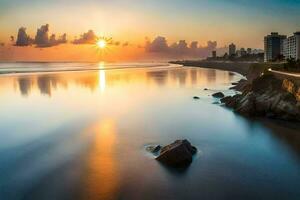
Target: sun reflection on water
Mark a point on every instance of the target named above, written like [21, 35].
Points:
[102, 177]
[102, 77]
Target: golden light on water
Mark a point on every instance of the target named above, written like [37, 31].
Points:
[102, 178]
[102, 77]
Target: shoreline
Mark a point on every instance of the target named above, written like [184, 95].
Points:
[285, 130]
[238, 67]
[83, 69]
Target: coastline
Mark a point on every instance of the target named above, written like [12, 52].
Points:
[285, 130]
[238, 67]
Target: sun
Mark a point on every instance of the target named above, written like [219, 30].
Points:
[101, 43]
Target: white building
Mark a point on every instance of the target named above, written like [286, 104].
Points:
[291, 46]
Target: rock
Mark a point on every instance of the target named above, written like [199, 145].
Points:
[267, 96]
[153, 148]
[246, 106]
[178, 154]
[205, 89]
[226, 99]
[240, 86]
[233, 102]
[218, 95]
[291, 87]
[195, 97]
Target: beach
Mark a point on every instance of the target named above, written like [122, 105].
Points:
[83, 134]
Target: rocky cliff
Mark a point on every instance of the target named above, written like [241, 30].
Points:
[292, 87]
[267, 96]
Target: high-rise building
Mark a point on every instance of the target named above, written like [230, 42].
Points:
[249, 51]
[291, 46]
[232, 49]
[214, 54]
[273, 46]
[243, 52]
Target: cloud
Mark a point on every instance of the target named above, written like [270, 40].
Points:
[91, 38]
[23, 39]
[110, 41]
[62, 39]
[211, 45]
[179, 49]
[158, 45]
[86, 38]
[125, 44]
[41, 39]
[194, 45]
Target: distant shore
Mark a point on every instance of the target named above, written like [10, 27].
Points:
[239, 67]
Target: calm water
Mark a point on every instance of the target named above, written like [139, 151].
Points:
[81, 135]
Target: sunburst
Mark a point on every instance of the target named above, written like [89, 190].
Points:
[101, 43]
[103, 46]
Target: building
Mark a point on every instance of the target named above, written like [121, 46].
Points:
[232, 49]
[273, 46]
[214, 54]
[291, 47]
[243, 52]
[249, 51]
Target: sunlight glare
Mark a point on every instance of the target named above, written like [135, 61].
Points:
[101, 44]
[102, 78]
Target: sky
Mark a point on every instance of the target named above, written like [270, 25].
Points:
[137, 22]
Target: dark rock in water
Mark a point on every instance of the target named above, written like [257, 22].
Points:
[231, 101]
[195, 97]
[205, 89]
[178, 154]
[226, 99]
[153, 148]
[218, 95]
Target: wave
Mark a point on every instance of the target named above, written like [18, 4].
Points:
[38, 67]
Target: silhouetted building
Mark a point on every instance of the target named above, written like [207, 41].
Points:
[249, 51]
[291, 46]
[232, 49]
[257, 51]
[273, 46]
[243, 52]
[214, 54]
[226, 56]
